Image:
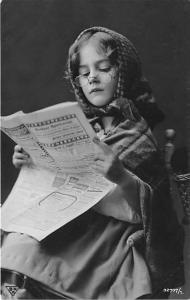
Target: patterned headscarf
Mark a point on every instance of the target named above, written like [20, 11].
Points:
[131, 83]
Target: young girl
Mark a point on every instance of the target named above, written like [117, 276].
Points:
[129, 245]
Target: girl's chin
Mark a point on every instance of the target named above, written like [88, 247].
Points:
[99, 102]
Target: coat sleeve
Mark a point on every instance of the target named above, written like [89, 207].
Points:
[116, 204]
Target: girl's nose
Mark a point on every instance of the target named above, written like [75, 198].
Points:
[92, 79]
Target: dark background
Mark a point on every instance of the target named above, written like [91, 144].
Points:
[36, 35]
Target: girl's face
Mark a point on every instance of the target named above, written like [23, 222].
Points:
[97, 77]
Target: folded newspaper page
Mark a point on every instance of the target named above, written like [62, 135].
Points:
[61, 184]
[58, 137]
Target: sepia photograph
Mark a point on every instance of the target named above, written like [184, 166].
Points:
[95, 149]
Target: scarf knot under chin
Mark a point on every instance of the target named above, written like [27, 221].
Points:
[121, 109]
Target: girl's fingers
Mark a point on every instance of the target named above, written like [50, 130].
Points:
[19, 155]
[18, 148]
[18, 163]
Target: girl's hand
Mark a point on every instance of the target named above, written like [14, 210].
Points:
[108, 164]
[20, 157]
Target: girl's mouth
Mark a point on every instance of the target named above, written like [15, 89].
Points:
[96, 90]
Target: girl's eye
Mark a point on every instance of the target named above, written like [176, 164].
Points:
[85, 74]
[105, 69]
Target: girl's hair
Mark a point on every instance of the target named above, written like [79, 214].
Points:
[131, 83]
[104, 43]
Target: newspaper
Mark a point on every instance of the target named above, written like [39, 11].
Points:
[58, 137]
[61, 184]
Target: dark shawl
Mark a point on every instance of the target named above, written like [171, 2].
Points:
[161, 235]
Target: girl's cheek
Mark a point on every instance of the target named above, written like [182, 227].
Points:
[85, 92]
